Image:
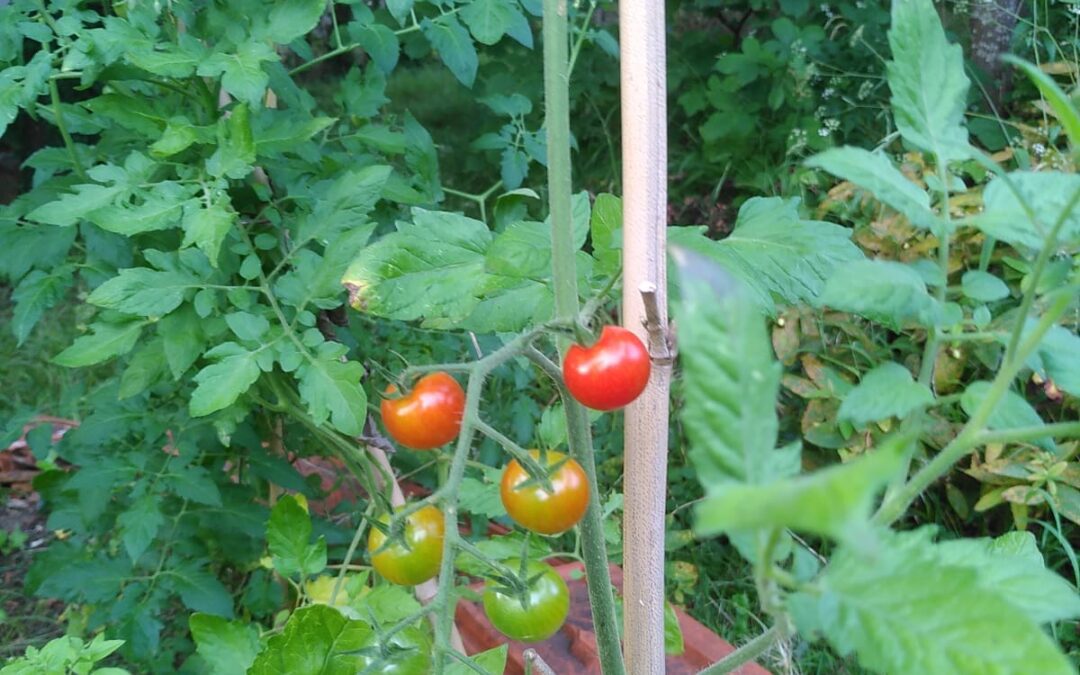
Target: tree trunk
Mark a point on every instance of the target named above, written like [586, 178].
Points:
[992, 25]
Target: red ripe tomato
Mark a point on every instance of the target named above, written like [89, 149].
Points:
[424, 534]
[611, 373]
[538, 615]
[541, 511]
[429, 416]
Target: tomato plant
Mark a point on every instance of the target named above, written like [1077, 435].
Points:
[427, 417]
[611, 373]
[406, 652]
[534, 615]
[417, 558]
[545, 511]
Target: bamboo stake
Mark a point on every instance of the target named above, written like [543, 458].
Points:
[644, 147]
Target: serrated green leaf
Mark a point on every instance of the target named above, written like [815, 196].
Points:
[139, 525]
[107, 341]
[902, 608]
[430, 268]
[67, 209]
[161, 209]
[774, 252]
[983, 286]
[207, 226]
[288, 535]
[344, 204]
[222, 383]
[1047, 192]
[143, 291]
[488, 20]
[36, 293]
[331, 389]
[381, 43]
[881, 290]
[194, 483]
[247, 326]
[30, 246]
[927, 80]
[236, 146]
[874, 171]
[400, 9]
[228, 647]
[731, 380]
[605, 227]
[277, 132]
[1012, 411]
[242, 74]
[145, 369]
[179, 135]
[183, 339]
[1011, 565]
[833, 502]
[886, 391]
[481, 498]
[454, 46]
[317, 639]
[200, 590]
[287, 20]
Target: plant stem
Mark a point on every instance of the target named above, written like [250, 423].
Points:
[564, 275]
[54, 92]
[1036, 272]
[745, 654]
[1058, 430]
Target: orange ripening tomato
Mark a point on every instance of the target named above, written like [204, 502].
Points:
[541, 511]
[427, 417]
[425, 531]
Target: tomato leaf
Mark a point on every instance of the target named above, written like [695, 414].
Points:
[227, 646]
[454, 46]
[143, 291]
[288, 535]
[221, 383]
[1012, 411]
[332, 391]
[493, 662]
[907, 605]
[886, 391]
[200, 590]
[316, 639]
[731, 380]
[928, 82]
[139, 525]
[774, 252]
[107, 341]
[36, 293]
[833, 502]
[1048, 192]
[875, 172]
[885, 291]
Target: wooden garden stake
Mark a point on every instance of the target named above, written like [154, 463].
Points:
[644, 306]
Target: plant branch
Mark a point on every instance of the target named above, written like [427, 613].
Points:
[746, 653]
[1036, 272]
[54, 92]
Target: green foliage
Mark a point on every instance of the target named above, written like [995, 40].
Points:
[898, 601]
[66, 655]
